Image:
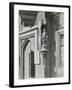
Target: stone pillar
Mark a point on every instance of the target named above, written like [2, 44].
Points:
[43, 55]
[49, 55]
[44, 50]
[40, 67]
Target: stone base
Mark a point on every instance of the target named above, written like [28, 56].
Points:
[39, 71]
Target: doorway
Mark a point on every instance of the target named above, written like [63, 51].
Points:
[28, 59]
[59, 53]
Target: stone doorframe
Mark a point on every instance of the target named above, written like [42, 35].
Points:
[57, 53]
[23, 39]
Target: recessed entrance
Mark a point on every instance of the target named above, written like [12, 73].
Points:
[28, 59]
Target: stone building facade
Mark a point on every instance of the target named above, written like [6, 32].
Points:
[41, 44]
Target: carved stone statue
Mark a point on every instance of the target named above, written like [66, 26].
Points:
[44, 37]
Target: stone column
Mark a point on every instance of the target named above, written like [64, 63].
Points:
[44, 50]
[43, 55]
[49, 46]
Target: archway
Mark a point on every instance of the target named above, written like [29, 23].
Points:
[28, 59]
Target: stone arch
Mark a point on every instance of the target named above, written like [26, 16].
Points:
[24, 45]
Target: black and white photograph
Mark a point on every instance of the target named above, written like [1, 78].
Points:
[41, 44]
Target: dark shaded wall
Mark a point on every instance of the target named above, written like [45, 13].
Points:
[48, 61]
[54, 23]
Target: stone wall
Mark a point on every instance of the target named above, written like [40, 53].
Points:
[57, 23]
[54, 23]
